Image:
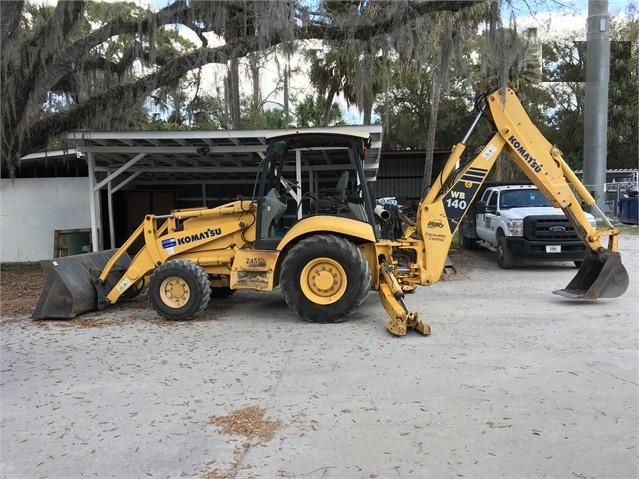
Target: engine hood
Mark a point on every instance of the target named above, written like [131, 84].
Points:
[521, 213]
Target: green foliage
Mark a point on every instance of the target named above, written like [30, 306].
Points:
[310, 112]
[564, 76]
[623, 100]
[139, 62]
[255, 117]
[406, 110]
[209, 112]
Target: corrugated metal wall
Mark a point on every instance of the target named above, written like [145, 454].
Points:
[400, 173]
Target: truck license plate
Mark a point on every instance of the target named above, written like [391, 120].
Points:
[553, 248]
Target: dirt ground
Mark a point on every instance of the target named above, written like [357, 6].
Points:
[20, 287]
[513, 382]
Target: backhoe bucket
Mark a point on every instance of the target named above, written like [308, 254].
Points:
[601, 275]
[72, 284]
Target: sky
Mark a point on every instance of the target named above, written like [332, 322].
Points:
[557, 23]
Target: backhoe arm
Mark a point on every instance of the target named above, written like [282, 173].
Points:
[443, 208]
[602, 275]
[446, 204]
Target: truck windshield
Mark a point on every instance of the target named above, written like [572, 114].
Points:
[522, 199]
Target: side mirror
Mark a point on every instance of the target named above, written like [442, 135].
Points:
[480, 207]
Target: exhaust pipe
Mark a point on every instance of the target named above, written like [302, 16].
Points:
[601, 275]
[72, 284]
[382, 213]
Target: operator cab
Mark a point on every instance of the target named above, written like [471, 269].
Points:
[311, 173]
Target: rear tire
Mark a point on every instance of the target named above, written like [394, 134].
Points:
[179, 290]
[325, 279]
[504, 254]
[578, 264]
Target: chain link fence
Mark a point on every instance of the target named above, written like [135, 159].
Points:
[614, 192]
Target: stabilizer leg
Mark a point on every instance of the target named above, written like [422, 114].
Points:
[392, 297]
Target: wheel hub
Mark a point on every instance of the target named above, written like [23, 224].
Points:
[174, 292]
[323, 281]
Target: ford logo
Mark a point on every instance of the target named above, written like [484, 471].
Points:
[557, 229]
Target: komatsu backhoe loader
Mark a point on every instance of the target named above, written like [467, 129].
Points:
[323, 250]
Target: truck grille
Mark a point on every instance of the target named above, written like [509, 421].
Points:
[549, 228]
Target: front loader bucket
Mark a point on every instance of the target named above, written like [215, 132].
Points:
[72, 284]
[601, 275]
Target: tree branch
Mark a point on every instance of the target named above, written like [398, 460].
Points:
[23, 134]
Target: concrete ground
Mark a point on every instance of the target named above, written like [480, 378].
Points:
[513, 382]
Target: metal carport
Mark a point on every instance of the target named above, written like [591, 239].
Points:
[145, 158]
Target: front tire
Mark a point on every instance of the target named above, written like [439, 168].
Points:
[505, 257]
[325, 279]
[179, 290]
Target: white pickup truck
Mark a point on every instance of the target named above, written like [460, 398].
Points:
[520, 223]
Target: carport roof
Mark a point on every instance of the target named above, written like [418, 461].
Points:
[228, 155]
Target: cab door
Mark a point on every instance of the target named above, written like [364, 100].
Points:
[486, 219]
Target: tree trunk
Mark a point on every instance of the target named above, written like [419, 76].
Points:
[287, 114]
[367, 104]
[329, 103]
[234, 93]
[255, 77]
[435, 97]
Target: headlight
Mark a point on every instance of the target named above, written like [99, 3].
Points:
[515, 227]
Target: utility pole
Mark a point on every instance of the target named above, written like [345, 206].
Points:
[596, 101]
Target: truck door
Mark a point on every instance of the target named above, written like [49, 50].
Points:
[485, 221]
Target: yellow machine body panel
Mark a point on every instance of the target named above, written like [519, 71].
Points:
[254, 269]
[359, 231]
[205, 237]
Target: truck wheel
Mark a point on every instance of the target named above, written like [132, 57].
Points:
[325, 279]
[505, 255]
[466, 242]
[179, 290]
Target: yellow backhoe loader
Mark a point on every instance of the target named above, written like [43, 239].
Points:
[323, 250]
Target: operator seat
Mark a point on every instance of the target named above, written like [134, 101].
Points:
[272, 210]
[328, 196]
